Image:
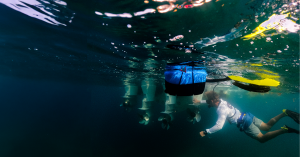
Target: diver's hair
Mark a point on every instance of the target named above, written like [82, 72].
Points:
[211, 95]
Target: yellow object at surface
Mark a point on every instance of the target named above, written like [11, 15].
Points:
[258, 65]
[272, 23]
[262, 75]
[258, 31]
[264, 82]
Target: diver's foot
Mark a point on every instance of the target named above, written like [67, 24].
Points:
[290, 130]
[292, 114]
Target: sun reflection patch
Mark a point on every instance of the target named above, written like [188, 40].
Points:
[54, 12]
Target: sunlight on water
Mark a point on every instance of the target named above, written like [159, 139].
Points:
[55, 12]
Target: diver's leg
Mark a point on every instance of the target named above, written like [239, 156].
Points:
[270, 135]
[272, 121]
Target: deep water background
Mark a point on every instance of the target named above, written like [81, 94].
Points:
[42, 118]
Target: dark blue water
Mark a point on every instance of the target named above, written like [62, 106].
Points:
[61, 119]
[63, 76]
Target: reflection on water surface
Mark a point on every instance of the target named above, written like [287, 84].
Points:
[86, 78]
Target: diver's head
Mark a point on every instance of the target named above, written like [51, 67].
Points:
[213, 99]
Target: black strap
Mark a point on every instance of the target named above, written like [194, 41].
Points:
[180, 77]
[192, 74]
[218, 80]
[231, 116]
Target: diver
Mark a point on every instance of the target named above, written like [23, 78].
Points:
[245, 121]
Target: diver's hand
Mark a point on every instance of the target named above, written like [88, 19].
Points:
[202, 134]
[195, 101]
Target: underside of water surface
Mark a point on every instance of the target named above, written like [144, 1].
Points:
[89, 77]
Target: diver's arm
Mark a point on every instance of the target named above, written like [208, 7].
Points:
[202, 102]
[198, 102]
[220, 123]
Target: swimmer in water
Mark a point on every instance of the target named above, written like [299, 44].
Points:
[245, 121]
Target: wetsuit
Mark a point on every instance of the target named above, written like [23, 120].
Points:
[224, 111]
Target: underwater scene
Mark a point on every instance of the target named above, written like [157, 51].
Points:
[157, 78]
